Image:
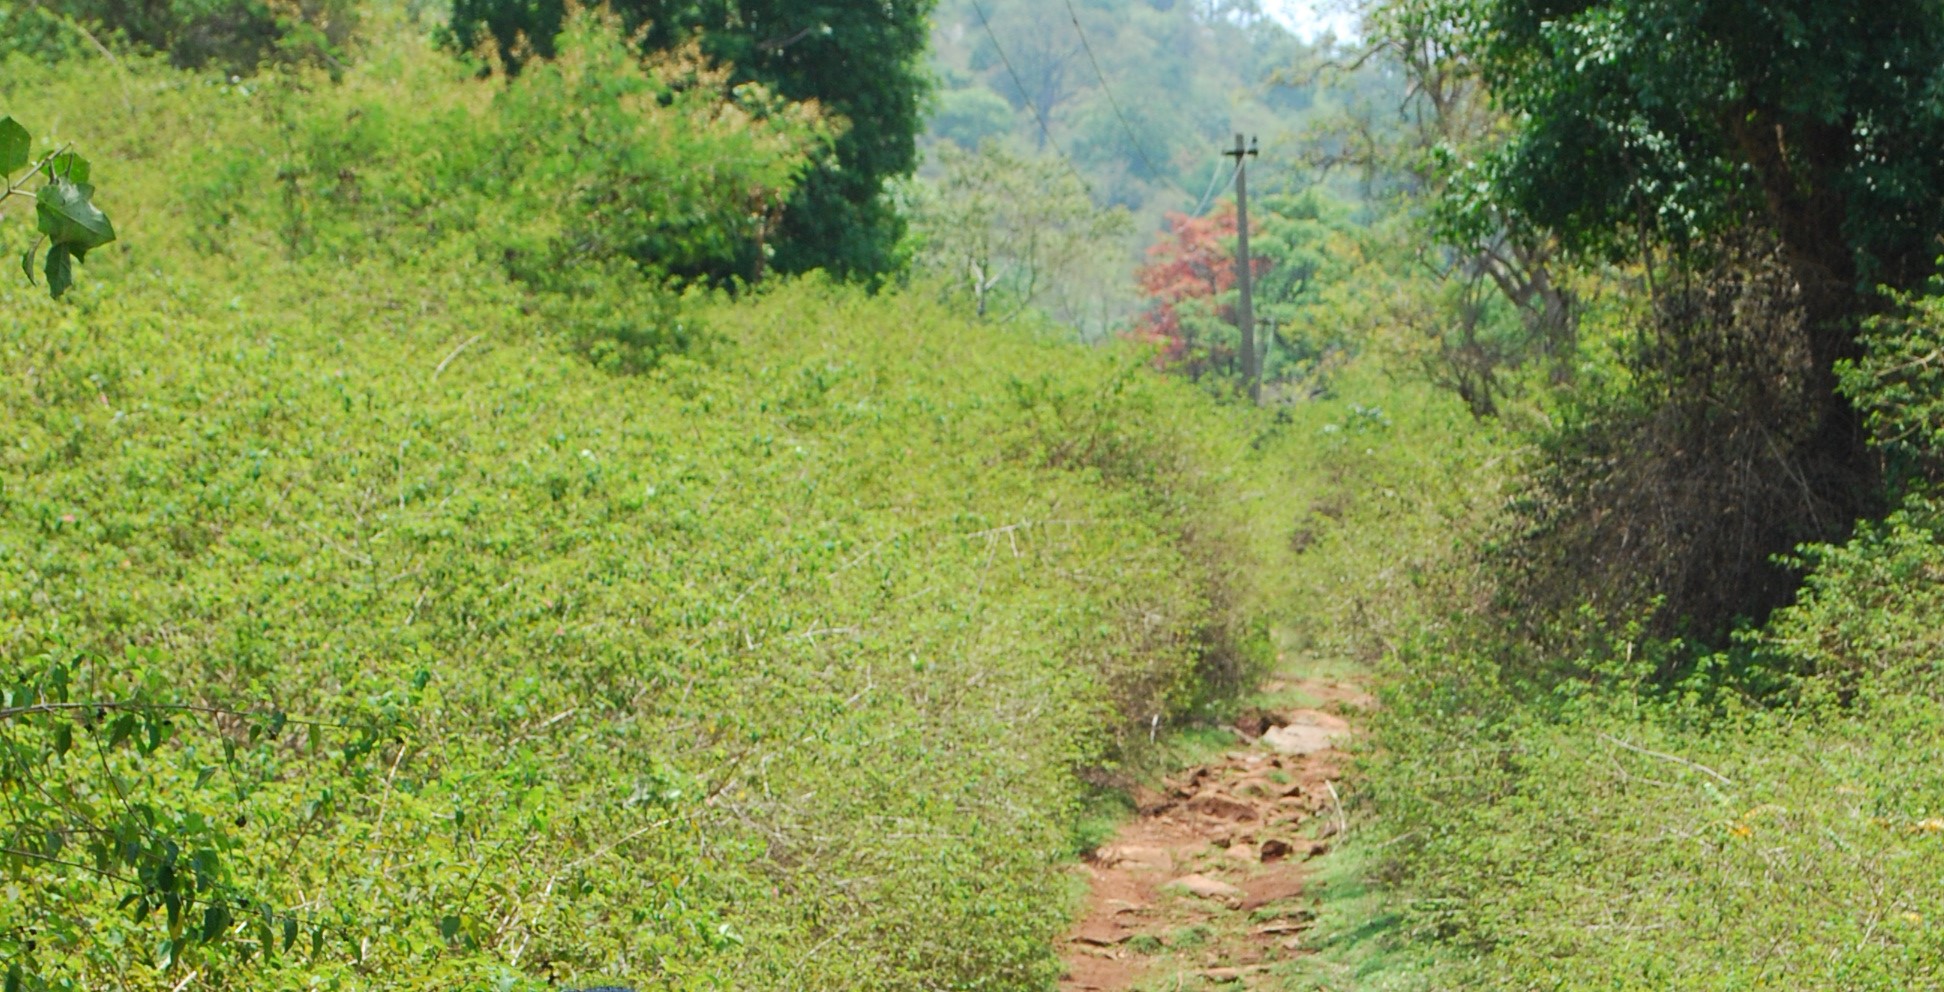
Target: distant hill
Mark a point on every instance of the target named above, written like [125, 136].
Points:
[1139, 94]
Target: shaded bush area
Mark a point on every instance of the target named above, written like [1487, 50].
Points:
[594, 163]
[863, 61]
[1672, 492]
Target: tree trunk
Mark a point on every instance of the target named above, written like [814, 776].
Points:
[1798, 164]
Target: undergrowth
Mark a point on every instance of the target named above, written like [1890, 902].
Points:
[1565, 815]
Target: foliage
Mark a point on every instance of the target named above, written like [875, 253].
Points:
[860, 60]
[1897, 383]
[1492, 310]
[1656, 493]
[1600, 841]
[1783, 154]
[1138, 95]
[1303, 251]
[594, 160]
[1864, 622]
[1380, 492]
[357, 632]
[1014, 231]
[1579, 820]
[1684, 118]
[1733, 179]
[1187, 270]
[64, 209]
[235, 36]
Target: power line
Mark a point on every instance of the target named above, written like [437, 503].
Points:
[1214, 181]
[1045, 131]
[1132, 141]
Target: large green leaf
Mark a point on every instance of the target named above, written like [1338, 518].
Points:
[14, 143]
[60, 270]
[70, 219]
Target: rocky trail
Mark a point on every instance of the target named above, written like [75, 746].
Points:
[1204, 889]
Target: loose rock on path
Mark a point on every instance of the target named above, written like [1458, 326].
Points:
[1204, 889]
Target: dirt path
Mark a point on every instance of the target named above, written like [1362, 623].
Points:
[1204, 889]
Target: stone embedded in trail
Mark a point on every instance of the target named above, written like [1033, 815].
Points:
[1152, 858]
[1102, 939]
[1308, 732]
[1221, 807]
[1207, 888]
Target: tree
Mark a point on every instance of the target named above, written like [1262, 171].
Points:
[1310, 258]
[237, 36]
[861, 60]
[1490, 301]
[1679, 120]
[1189, 280]
[1134, 92]
[1015, 232]
[1302, 256]
[1766, 164]
[1034, 57]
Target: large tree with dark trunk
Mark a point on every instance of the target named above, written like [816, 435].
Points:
[1788, 148]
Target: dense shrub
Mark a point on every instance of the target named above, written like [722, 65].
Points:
[862, 60]
[593, 160]
[234, 36]
[1672, 491]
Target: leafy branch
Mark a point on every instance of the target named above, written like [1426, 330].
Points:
[61, 817]
[64, 209]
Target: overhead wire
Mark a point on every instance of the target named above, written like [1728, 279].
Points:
[1214, 181]
[1045, 130]
[1133, 141]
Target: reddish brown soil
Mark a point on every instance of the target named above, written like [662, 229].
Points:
[1205, 887]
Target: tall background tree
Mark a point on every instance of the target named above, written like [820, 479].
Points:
[861, 60]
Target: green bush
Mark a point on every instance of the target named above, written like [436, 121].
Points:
[234, 36]
[591, 161]
[860, 61]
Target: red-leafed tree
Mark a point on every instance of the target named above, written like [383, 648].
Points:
[1189, 281]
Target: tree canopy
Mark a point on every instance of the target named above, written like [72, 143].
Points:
[1823, 120]
[861, 60]
[1765, 167]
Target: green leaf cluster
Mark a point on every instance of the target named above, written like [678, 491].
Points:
[64, 209]
[231, 36]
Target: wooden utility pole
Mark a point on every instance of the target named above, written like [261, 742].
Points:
[1244, 272]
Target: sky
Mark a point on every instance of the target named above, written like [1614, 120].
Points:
[1310, 18]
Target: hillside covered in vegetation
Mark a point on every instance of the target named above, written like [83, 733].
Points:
[403, 590]
[701, 494]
